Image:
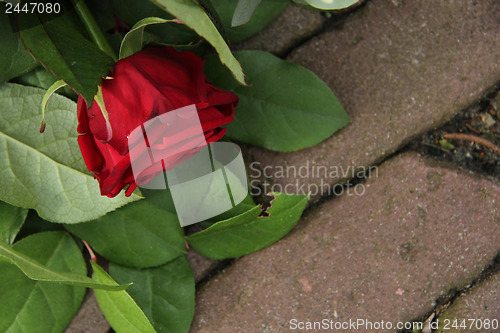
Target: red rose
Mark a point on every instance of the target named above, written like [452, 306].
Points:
[145, 85]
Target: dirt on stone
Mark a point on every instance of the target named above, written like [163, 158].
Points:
[471, 139]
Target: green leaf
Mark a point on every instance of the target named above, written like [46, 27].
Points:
[64, 50]
[15, 60]
[50, 91]
[266, 11]
[141, 234]
[240, 208]
[193, 15]
[35, 224]
[249, 232]
[121, 311]
[243, 12]
[41, 78]
[132, 11]
[197, 201]
[35, 306]
[285, 107]
[46, 171]
[11, 220]
[48, 94]
[327, 4]
[166, 293]
[36, 271]
[133, 40]
[103, 13]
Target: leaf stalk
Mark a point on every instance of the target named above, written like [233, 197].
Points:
[92, 28]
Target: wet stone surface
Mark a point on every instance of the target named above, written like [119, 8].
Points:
[420, 230]
[294, 25]
[478, 310]
[89, 317]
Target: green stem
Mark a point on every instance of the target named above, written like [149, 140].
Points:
[93, 29]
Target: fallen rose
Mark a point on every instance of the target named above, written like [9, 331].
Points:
[145, 85]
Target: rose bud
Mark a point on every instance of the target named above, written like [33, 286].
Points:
[145, 85]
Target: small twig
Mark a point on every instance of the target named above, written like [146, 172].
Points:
[473, 138]
[472, 129]
[91, 253]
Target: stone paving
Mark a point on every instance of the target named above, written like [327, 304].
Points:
[480, 302]
[291, 27]
[89, 318]
[420, 230]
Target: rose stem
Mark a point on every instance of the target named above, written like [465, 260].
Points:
[473, 138]
[92, 28]
[91, 253]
